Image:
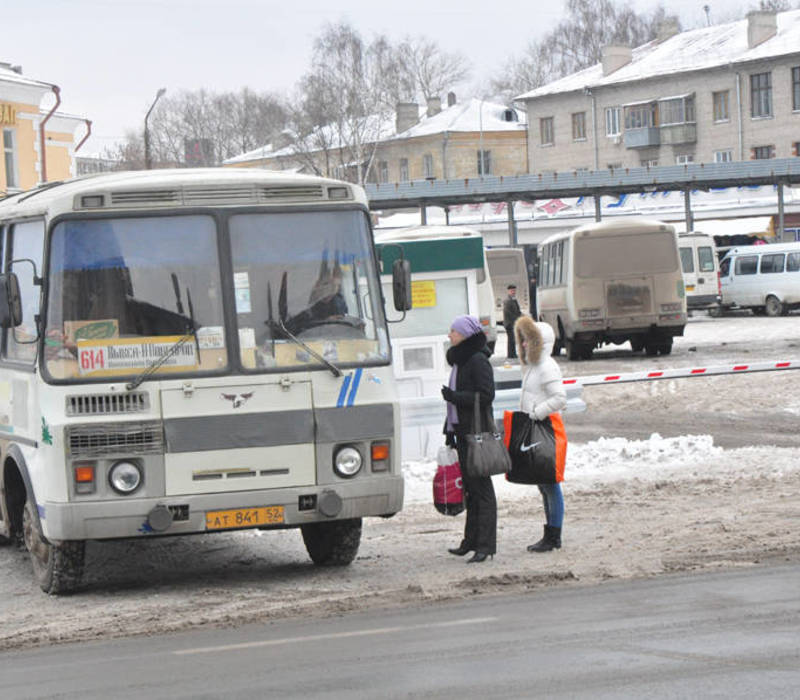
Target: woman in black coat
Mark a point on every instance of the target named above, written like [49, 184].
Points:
[469, 357]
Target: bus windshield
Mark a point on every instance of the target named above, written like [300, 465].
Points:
[299, 274]
[123, 291]
[640, 253]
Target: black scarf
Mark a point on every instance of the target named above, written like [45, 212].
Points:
[459, 354]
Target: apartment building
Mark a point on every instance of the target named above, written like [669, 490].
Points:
[38, 143]
[462, 140]
[717, 94]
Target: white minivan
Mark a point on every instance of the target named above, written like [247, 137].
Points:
[700, 267]
[764, 278]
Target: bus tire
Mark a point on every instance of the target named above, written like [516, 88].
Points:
[57, 567]
[665, 348]
[651, 348]
[637, 344]
[332, 544]
[773, 306]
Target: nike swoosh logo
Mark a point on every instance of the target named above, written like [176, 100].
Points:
[525, 448]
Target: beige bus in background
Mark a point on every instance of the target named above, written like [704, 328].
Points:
[507, 266]
[611, 282]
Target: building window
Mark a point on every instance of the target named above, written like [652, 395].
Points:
[649, 163]
[640, 116]
[613, 121]
[761, 95]
[796, 89]
[762, 152]
[10, 158]
[546, 131]
[722, 106]
[679, 110]
[723, 156]
[484, 162]
[403, 169]
[383, 171]
[684, 158]
[579, 126]
[427, 166]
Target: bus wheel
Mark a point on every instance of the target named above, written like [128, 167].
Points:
[773, 306]
[334, 543]
[665, 348]
[58, 568]
[651, 348]
[637, 344]
[573, 349]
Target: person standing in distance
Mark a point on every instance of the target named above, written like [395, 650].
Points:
[511, 312]
[542, 394]
[472, 373]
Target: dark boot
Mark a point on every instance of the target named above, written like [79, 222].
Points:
[550, 541]
[462, 549]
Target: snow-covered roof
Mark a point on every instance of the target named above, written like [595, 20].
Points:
[473, 115]
[9, 76]
[698, 49]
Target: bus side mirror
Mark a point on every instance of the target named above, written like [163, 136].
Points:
[401, 284]
[10, 302]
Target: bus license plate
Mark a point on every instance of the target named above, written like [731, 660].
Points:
[244, 517]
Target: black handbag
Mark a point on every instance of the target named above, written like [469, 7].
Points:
[532, 450]
[486, 453]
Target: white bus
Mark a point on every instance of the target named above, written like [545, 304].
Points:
[507, 266]
[611, 282]
[186, 352]
[700, 265]
[763, 278]
[449, 277]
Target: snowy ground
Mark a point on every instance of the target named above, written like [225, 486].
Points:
[634, 507]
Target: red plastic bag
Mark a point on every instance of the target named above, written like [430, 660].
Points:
[448, 490]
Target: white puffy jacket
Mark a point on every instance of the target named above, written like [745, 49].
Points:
[542, 388]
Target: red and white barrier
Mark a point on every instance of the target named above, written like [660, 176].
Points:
[681, 373]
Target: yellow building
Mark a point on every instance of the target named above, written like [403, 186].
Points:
[38, 142]
[462, 140]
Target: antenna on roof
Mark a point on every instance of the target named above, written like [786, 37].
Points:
[707, 10]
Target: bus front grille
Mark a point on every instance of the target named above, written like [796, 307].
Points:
[145, 437]
[108, 404]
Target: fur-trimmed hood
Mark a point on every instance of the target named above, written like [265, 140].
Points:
[539, 337]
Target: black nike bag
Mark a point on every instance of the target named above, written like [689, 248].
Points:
[538, 448]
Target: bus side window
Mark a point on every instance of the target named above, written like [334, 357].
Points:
[746, 265]
[687, 263]
[772, 263]
[25, 240]
[705, 259]
[793, 262]
[725, 267]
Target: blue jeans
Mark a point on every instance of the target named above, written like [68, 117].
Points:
[553, 504]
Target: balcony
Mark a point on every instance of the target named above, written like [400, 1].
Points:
[674, 134]
[644, 137]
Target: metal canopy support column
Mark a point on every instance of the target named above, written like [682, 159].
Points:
[423, 214]
[687, 204]
[597, 199]
[447, 216]
[780, 212]
[512, 225]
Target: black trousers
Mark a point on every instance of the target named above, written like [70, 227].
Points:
[512, 342]
[480, 529]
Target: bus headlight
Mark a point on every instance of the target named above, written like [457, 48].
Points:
[125, 477]
[347, 462]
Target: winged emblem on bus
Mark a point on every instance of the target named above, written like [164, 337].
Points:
[238, 400]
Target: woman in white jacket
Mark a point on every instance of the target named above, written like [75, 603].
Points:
[542, 394]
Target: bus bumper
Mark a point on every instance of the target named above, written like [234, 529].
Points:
[124, 518]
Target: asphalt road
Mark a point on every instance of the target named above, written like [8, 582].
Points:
[727, 635]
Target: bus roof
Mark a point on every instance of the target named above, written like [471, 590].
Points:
[181, 187]
[788, 247]
[615, 226]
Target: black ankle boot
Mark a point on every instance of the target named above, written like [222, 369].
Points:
[550, 541]
[478, 557]
[461, 550]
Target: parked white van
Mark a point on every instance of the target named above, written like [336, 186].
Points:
[611, 282]
[764, 278]
[700, 267]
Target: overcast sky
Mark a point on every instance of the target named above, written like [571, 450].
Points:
[109, 57]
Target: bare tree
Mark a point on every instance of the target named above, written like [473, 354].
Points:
[427, 70]
[576, 43]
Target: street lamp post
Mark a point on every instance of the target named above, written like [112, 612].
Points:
[147, 163]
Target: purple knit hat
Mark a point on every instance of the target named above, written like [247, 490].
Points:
[466, 325]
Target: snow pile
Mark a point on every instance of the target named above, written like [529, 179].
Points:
[607, 460]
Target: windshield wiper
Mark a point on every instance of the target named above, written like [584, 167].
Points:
[151, 369]
[332, 367]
